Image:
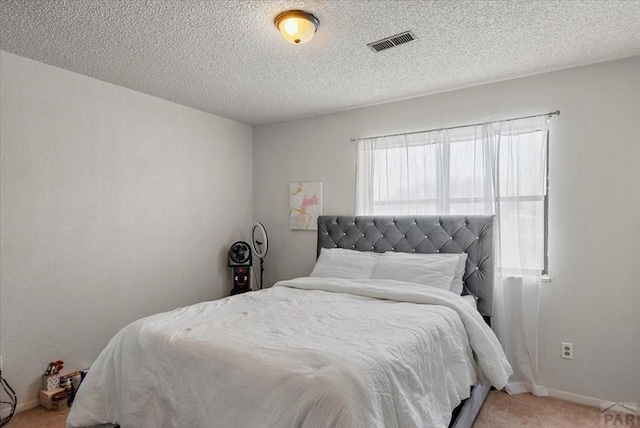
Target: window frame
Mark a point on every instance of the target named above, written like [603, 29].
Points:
[446, 171]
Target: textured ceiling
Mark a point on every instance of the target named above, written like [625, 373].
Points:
[227, 58]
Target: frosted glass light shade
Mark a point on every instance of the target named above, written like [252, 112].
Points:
[296, 26]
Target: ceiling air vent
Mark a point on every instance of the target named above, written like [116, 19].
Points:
[389, 42]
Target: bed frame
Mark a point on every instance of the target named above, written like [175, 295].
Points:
[471, 234]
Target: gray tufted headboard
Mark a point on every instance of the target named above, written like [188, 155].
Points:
[471, 234]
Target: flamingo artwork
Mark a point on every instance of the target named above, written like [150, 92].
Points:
[305, 205]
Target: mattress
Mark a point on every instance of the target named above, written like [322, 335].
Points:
[310, 352]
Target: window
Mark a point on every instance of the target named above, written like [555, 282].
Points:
[498, 168]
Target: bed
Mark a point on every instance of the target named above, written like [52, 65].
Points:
[316, 351]
[427, 234]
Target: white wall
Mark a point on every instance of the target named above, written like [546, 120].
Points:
[114, 205]
[594, 295]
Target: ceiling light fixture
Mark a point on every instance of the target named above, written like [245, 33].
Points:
[297, 26]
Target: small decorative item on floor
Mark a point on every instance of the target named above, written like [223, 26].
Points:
[50, 382]
[305, 205]
[54, 395]
[53, 399]
[75, 378]
[71, 394]
[51, 376]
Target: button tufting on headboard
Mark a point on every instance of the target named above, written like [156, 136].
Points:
[421, 234]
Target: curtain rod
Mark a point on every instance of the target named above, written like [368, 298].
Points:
[553, 113]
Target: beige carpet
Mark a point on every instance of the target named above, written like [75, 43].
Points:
[499, 411]
[39, 417]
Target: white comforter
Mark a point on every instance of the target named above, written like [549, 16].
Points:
[311, 352]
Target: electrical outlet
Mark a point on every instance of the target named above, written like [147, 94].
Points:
[567, 350]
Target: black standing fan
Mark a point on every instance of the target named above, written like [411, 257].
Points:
[260, 246]
[240, 261]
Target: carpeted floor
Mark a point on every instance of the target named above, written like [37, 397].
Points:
[501, 410]
[498, 411]
[39, 417]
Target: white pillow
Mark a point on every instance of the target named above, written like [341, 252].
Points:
[456, 283]
[435, 272]
[346, 264]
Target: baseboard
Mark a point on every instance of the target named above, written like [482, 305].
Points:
[26, 405]
[589, 401]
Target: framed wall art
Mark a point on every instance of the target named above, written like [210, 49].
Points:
[305, 205]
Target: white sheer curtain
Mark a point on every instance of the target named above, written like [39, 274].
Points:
[496, 168]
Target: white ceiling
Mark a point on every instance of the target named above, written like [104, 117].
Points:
[227, 58]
